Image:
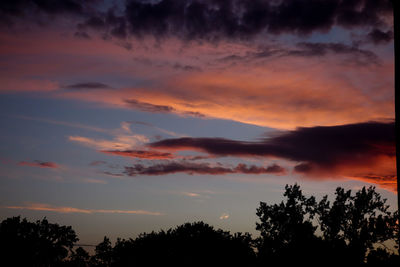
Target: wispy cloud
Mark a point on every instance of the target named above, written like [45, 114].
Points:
[63, 123]
[40, 164]
[97, 163]
[63, 209]
[191, 194]
[94, 181]
[171, 133]
[123, 139]
[224, 216]
[141, 154]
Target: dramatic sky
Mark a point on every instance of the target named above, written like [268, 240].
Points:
[120, 117]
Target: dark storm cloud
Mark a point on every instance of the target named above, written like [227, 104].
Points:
[35, 9]
[325, 147]
[211, 19]
[20, 7]
[88, 85]
[242, 18]
[199, 168]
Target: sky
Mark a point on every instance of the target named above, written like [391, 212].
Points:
[123, 117]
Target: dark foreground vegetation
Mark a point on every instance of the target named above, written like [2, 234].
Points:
[352, 230]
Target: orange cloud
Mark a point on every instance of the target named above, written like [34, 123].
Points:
[281, 91]
[379, 170]
[284, 93]
[61, 209]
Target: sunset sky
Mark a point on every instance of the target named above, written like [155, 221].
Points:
[122, 117]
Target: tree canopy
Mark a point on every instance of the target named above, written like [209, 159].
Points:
[37, 243]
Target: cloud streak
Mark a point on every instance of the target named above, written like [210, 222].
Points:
[141, 154]
[40, 164]
[199, 168]
[63, 209]
[120, 142]
[87, 86]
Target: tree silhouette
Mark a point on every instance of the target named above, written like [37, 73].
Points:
[42, 243]
[78, 258]
[286, 229]
[350, 228]
[190, 244]
[359, 221]
[104, 253]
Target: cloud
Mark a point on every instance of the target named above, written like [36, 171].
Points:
[306, 49]
[97, 163]
[87, 86]
[224, 216]
[191, 194]
[301, 90]
[11, 83]
[153, 108]
[142, 154]
[121, 142]
[147, 107]
[112, 174]
[281, 92]
[363, 150]
[204, 20]
[40, 164]
[305, 143]
[62, 209]
[63, 123]
[212, 20]
[94, 181]
[10, 10]
[377, 36]
[199, 168]
[320, 49]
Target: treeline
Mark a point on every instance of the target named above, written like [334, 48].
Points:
[354, 229]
